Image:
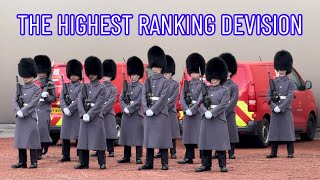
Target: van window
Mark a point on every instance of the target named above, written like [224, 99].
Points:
[240, 78]
[298, 84]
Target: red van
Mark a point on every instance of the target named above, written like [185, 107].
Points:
[59, 70]
[252, 111]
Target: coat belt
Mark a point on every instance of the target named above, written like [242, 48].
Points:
[154, 98]
[283, 97]
[213, 106]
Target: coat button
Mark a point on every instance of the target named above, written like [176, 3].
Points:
[90, 92]
[25, 94]
[211, 94]
[70, 90]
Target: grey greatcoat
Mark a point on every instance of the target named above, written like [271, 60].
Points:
[44, 111]
[26, 133]
[71, 124]
[109, 119]
[92, 134]
[281, 124]
[157, 131]
[230, 111]
[172, 109]
[131, 132]
[214, 132]
[191, 124]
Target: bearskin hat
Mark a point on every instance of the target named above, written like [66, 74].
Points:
[43, 64]
[27, 68]
[193, 62]
[217, 69]
[135, 66]
[231, 62]
[283, 61]
[171, 66]
[157, 57]
[110, 69]
[74, 67]
[93, 65]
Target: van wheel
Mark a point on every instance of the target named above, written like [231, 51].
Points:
[263, 130]
[118, 124]
[311, 129]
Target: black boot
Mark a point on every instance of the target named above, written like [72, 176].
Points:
[290, 148]
[45, 148]
[202, 168]
[222, 159]
[165, 167]
[124, 160]
[271, 155]
[94, 154]
[232, 156]
[146, 166]
[231, 151]
[33, 165]
[103, 166]
[158, 155]
[84, 163]
[173, 156]
[39, 154]
[22, 159]
[111, 154]
[19, 165]
[185, 161]
[64, 159]
[223, 169]
[82, 166]
[215, 156]
[138, 161]
[274, 150]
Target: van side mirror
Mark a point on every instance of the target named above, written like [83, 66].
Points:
[308, 85]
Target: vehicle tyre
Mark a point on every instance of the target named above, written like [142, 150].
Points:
[263, 130]
[311, 129]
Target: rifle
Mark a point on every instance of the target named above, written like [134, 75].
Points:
[85, 99]
[66, 96]
[125, 89]
[148, 91]
[274, 94]
[186, 89]
[19, 94]
[206, 99]
[48, 84]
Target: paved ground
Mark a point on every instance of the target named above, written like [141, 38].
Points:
[250, 164]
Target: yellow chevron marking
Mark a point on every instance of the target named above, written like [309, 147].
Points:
[240, 122]
[244, 108]
[59, 123]
[181, 115]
